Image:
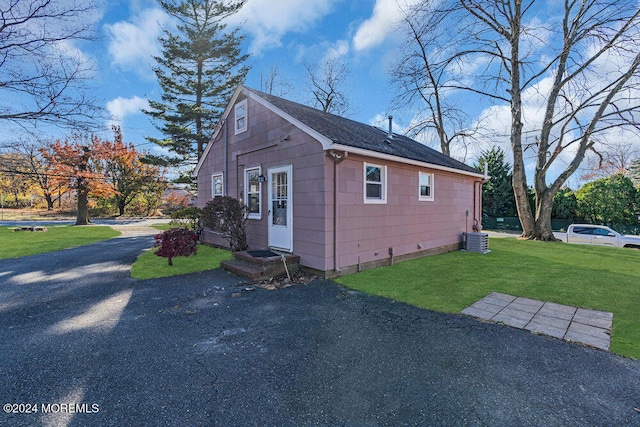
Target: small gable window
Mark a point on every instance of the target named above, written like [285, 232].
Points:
[252, 192]
[425, 189]
[240, 117]
[217, 185]
[375, 183]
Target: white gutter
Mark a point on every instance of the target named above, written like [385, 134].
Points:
[398, 159]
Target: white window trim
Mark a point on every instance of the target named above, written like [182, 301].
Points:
[383, 178]
[213, 185]
[420, 196]
[246, 193]
[237, 129]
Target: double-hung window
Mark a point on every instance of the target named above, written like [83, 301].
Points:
[252, 192]
[240, 112]
[375, 183]
[425, 186]
[217, 185]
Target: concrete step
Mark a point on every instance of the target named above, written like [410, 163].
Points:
[245, 269]
[266, 261]
[260, 268]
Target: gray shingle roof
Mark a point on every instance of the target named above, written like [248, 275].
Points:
[348, 132]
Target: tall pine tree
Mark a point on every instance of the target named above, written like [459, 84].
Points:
[200, 66]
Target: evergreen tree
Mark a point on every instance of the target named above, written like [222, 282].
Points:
[199, 68]
[565, 204]
[497, 194]
[609, 200]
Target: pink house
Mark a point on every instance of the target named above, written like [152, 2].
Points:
[342, 195]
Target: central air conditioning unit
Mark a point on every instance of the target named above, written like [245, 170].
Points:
[477, 242]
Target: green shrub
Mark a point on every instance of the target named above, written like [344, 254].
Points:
[188, 218]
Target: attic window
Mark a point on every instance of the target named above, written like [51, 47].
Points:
[240, 123]
[375, 183]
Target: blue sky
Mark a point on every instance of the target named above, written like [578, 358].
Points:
[285, 34]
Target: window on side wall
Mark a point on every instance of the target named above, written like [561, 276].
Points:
[252, 192]
[217, 185]
[425, 186]
[375, 183]
[240, 113]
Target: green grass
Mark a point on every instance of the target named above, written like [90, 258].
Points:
[149, 265]
[161, 226]
[21, 243]
[598, 278]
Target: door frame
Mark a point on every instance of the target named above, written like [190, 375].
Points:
[270, 227]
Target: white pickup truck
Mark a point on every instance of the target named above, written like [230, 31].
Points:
[588, 234]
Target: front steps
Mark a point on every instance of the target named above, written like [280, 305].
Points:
[260, 267]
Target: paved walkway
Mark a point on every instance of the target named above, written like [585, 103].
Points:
[589, 327]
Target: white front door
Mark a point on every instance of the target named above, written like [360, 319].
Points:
[280, 215]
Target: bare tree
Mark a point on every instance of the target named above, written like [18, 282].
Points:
[43, 76]
[273, 83]
[578, 71]
[326, 83]
[613, 159]
[423, 78]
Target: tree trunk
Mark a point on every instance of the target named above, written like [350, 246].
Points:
[121, 209]
[49, 200]
[519, 178]
[83, 211]
[199, 137]
[543, 229]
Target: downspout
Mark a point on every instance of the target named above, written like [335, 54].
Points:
[477, 199]
[337, 158]
[225, 171]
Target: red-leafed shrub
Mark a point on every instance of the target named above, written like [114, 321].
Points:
[176, 242]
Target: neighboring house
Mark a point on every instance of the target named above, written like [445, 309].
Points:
[176, 198]
[342, 195]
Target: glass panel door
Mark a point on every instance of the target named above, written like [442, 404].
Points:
[280, 209]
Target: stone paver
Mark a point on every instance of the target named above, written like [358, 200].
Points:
[581, 325]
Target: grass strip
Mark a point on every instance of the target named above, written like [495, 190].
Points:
[149, 265]
[21, 243]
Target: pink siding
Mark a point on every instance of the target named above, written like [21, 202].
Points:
[404, 223]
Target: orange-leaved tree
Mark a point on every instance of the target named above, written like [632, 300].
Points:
[78, 163]
[126, 173]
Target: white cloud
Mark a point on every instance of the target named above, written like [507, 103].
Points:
[121, 107]
[337, 51]
[385, 17]
[268, 23]
[132, 44]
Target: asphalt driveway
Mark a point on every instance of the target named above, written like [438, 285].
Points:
[87, 344]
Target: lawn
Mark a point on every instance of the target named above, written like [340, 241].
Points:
[161, 226]
[598, 278]
[149, 265]
[21, 243]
